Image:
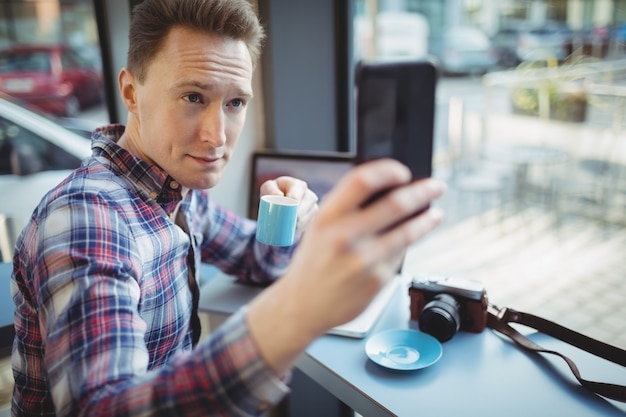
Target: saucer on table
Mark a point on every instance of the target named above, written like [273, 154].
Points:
[403, 349]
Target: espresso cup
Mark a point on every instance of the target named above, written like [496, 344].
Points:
[276, 223]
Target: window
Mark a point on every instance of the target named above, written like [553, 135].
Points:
[531, 140]
[55, 37]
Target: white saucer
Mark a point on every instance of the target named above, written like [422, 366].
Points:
[403, 349]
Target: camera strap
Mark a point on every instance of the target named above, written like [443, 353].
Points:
[500, 319]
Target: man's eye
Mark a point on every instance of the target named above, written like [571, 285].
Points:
[237, 102]
[193, 98]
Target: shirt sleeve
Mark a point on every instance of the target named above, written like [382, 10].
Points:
[230, 354]
[83, 274]
[228, 242]
[223, 376]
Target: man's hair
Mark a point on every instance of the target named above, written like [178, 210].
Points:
[153, 19]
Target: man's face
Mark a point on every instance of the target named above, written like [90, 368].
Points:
[191, 107]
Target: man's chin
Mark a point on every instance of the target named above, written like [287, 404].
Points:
[207, 182]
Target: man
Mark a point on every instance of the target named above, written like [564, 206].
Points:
[105, 274]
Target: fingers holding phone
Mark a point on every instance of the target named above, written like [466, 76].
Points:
[398, 197]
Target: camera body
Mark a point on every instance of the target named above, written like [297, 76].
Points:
[449, 304]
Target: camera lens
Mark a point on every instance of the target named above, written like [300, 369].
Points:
[440, 317]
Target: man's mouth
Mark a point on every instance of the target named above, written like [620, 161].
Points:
[208, 161]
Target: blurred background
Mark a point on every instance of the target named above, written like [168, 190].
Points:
[530, 139]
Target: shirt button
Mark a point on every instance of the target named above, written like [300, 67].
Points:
[174, 185]
[263, 406]
[154, 195]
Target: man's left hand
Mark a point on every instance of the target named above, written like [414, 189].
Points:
[298, 190]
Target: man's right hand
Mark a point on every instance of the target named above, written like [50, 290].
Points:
[348, 253]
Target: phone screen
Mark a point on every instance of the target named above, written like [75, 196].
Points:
[395, 113]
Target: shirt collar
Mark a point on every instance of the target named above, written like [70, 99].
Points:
[150, 181]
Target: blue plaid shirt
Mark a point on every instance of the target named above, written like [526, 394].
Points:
[104, 297]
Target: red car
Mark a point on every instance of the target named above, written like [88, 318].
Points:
[53, 78]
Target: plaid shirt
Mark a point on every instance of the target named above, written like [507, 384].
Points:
[103, 302]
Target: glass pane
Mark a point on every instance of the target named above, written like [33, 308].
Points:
[47, 156]
[50, 60]
[530, 137]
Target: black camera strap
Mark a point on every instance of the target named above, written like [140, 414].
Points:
[499, 319]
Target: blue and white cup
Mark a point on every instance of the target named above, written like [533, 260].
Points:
[276, 223]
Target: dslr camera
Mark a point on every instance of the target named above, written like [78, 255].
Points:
[444, 305]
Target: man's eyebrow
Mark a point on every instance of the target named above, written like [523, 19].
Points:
[244, 92]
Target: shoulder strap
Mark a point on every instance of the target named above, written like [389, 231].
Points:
[499, 319]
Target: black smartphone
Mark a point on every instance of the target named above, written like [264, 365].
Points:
[396, 113]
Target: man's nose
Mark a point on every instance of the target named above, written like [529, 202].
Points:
[213, 128]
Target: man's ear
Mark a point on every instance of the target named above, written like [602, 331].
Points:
[126, 84]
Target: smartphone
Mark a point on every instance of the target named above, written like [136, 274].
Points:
[396, 113]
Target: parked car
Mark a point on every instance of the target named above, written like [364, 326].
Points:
[54, 78]
[549, 40]
[35, 155]
[505, 44]
[464, 50]
[82, 126]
